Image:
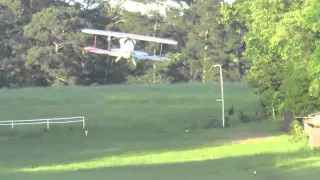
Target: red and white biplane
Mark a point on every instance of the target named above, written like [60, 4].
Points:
[127, 43]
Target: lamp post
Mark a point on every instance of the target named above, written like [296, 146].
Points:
[222, 98]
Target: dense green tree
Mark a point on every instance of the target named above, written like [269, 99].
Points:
[208, 42]
[280, 45]
[57, 52]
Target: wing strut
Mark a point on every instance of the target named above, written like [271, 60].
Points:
[109, 43]
[160, 49]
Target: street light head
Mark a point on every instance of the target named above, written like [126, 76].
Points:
[215, 65]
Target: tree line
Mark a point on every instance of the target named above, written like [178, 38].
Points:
[271, 44]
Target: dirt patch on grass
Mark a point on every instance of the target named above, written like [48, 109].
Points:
[245, 137]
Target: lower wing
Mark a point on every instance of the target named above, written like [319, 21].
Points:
[154, 58]
[118, 52]
[106, 52]
[140, 53]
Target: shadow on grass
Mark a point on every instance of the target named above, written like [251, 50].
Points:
[59, 146]
[268, 166]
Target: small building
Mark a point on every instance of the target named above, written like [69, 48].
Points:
[312, 128]
[314, 115]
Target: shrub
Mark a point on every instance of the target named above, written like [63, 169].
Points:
[227, 122]
[287, 120]
[244, 118]
[231, 111]
[213, 123]
[297, 133]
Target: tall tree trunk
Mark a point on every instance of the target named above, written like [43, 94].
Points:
[204, 70]
[204, 65]
[205, 58]
[154, 50]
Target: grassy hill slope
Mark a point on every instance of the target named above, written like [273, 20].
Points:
[138, 132]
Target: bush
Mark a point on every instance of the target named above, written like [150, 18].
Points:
[244, 118]
[213, 123]
[297, 133]
[227, 122]
[287, 120]
[231, 111]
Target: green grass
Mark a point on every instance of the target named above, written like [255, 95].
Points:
[138, 132]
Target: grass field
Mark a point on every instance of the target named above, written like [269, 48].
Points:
[138, 132]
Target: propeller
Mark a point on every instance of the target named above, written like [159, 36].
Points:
[118, 58]
[131, 59]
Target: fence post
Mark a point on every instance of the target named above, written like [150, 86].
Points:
[12, 125]
[83, 123]
[47, 124]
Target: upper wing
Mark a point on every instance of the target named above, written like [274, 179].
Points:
[133, 36]
[154, 58]
[106, 52]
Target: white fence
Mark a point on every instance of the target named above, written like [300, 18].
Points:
[47, 121]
